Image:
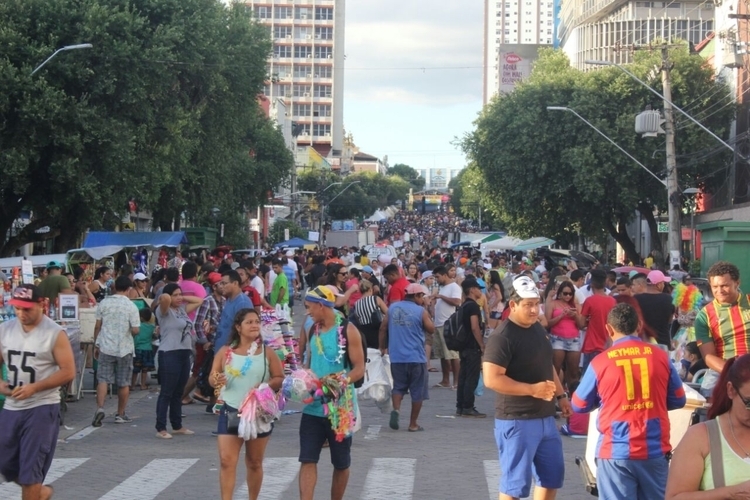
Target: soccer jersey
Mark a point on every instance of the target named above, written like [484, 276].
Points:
[726, 325]
[635, 386]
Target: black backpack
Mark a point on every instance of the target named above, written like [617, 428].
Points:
[455, 335]
[348, 362]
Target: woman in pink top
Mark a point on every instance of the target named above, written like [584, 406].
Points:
[560, 311]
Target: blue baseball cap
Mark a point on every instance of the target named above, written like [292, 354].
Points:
[53, 264]
[368, 269]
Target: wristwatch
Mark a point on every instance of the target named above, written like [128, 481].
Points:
[561, 396]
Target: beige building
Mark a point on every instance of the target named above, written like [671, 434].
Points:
[607, 29]
[306, 69]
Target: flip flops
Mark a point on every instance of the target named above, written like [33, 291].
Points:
[441, 386]
[418, 429]
[393, 424]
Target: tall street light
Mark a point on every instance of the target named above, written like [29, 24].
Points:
[63, 49]
[323, 205]
[692, 191]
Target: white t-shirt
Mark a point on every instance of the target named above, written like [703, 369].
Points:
[443, 310]
[585, 292]
[257, 283]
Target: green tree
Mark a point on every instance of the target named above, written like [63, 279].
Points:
[408, 174]
[161, 110]
[550, 174]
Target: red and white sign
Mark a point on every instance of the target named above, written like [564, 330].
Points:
[513, 58]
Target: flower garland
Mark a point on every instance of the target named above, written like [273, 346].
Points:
[341, 344]
[338, 404]
[234, 372]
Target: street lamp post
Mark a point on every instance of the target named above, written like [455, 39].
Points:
[692, 191]
[322, 206]
[63, 49]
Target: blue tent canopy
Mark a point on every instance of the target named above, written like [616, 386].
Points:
[153, 239]
[295, 242]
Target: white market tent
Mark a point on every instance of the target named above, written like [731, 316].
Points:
[505, 243]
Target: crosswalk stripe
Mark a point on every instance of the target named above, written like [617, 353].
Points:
[59, 467]
[150, 480]
[390, 478]
[278, 474]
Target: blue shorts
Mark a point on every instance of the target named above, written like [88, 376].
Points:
[313, 432]
[632, 479]
[27, 443]
[529, 447]
[410, 378]
[222, 424]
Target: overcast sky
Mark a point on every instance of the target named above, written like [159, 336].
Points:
[413, 114]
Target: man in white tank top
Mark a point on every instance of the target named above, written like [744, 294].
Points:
[39, 361]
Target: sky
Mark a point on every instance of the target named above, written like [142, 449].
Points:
[397, 100]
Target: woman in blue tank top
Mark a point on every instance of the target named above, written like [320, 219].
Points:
[238, 368]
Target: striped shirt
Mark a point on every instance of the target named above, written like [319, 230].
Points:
[726, 325]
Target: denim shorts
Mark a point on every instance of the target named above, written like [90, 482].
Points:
[563, 344]
[27, 443]
[313, 432]
[529, 447]
[222, 425]
[410, 378]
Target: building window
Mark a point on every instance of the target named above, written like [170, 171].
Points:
[322, 110]
[282, 51]
[322, 91]
[301, 91]
[263, 12]
[321, 129]
[301, 110]
[282, 90]
[301, 71]
[302, 51]
[323, 71]
[283, 13]
[303, 13]
[323, 14]
[324, 33]
[282, 71]
[323, 52]
[282, 31]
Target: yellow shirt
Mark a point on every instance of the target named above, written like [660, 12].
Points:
[648, 262]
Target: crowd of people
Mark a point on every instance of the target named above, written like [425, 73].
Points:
[551, 343]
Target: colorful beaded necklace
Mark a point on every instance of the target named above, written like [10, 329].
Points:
[234, 372]
[341, 345]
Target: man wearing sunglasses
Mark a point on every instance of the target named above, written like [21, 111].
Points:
[39, 359]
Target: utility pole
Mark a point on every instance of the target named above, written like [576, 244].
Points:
[673, 191]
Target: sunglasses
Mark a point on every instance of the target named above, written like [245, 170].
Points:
[746, 402]
[563, 294]
[343, 274]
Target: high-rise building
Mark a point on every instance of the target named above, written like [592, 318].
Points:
[306, 68]
[438, 177]
[513, 22]
[607, 30]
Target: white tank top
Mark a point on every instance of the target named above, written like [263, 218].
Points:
[29, 359]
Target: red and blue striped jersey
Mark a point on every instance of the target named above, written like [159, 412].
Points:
[635, 385]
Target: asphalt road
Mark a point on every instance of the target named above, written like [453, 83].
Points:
[452, 458]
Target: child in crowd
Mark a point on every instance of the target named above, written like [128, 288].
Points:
[143, 361]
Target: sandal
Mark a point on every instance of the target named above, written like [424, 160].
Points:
[163, 435]
[393, 424]
[418, 429]
[441, 386]
[433, 370]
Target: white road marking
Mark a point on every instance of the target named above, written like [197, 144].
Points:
[278, 474]
[390, 478]
[59, 467]
[82, 433]
[373, 431]
[150, 480]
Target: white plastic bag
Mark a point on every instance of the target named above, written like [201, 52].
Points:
[378, 382]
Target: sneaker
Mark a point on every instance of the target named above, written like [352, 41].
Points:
[98, 417]
[459, 412]
[122, 419]
[472, 412]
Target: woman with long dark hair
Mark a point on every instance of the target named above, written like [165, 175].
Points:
[238, 368]
[175, 347]
[99, 287]
[693, 463]
[496, 296]
[560, 311]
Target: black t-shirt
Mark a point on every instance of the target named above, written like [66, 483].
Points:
[699, 365]
[657, 309]
[468, 309]
[526, 355]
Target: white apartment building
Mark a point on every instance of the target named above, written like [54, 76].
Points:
[438, 177]
[607, 29]
[513, 22]
[306, 68]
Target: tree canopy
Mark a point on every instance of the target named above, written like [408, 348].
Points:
[162, 110]
[545, 172]
[408, 174]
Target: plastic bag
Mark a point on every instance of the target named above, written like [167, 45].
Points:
[378, 382]
[479, 391]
